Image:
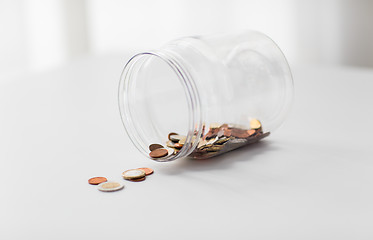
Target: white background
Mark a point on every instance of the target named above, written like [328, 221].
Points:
[38, 35]
[59, 125]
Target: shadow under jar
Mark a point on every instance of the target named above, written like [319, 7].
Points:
[212, 93]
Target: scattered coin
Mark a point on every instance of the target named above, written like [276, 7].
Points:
[155, 146]
[147, 171]
[158, 153]
[96, 180]
[110, 186]
[133, 174]
[137, 179]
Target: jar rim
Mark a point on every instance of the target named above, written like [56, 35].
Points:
[192, 97]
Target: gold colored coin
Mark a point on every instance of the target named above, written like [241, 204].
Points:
[182, 140]
[178, 145]
[202, 143]
[255, 124]
[170, 144]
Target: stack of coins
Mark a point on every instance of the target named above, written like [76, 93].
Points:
[137, 175]
[218, 139]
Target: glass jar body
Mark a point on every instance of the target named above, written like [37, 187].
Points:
[211, 89]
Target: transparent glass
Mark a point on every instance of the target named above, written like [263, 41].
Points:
[205, 87]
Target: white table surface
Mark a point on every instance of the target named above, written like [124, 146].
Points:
[311, 179]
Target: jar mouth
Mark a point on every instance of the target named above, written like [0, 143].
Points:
[149, 84]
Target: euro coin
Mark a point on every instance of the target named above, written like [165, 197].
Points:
[158, 153]
[133, 174]
[110, 186]
[96, 180]
[155, 146]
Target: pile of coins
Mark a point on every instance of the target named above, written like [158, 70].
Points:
[218, 139]
[133, 175]
[137, 175]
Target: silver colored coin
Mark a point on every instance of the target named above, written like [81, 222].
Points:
[170, 151]
[133, 174]
[110, 186]
[176, 138]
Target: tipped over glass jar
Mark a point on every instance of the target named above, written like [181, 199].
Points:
[202, 96]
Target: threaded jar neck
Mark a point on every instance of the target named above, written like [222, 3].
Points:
[157, 90]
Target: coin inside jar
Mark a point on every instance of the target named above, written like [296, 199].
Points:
[158, 153]
[133, 174]
[218, 139]
[255, 124]
[176, 138]
[170, 134]
[155, 146]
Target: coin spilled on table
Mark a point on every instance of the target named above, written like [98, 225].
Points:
[219, 139]
[133, 175]
[110, 186]
[96, 180]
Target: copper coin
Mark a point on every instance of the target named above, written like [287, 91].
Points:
[251, 132]
[227, 132]
[137, 179]
[96, 180]
[158, 153]
[170, 134]
[147, 171]
[239, 133]
[155, 146]
[178, 145]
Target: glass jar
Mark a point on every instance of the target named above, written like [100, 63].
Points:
[217, 92]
